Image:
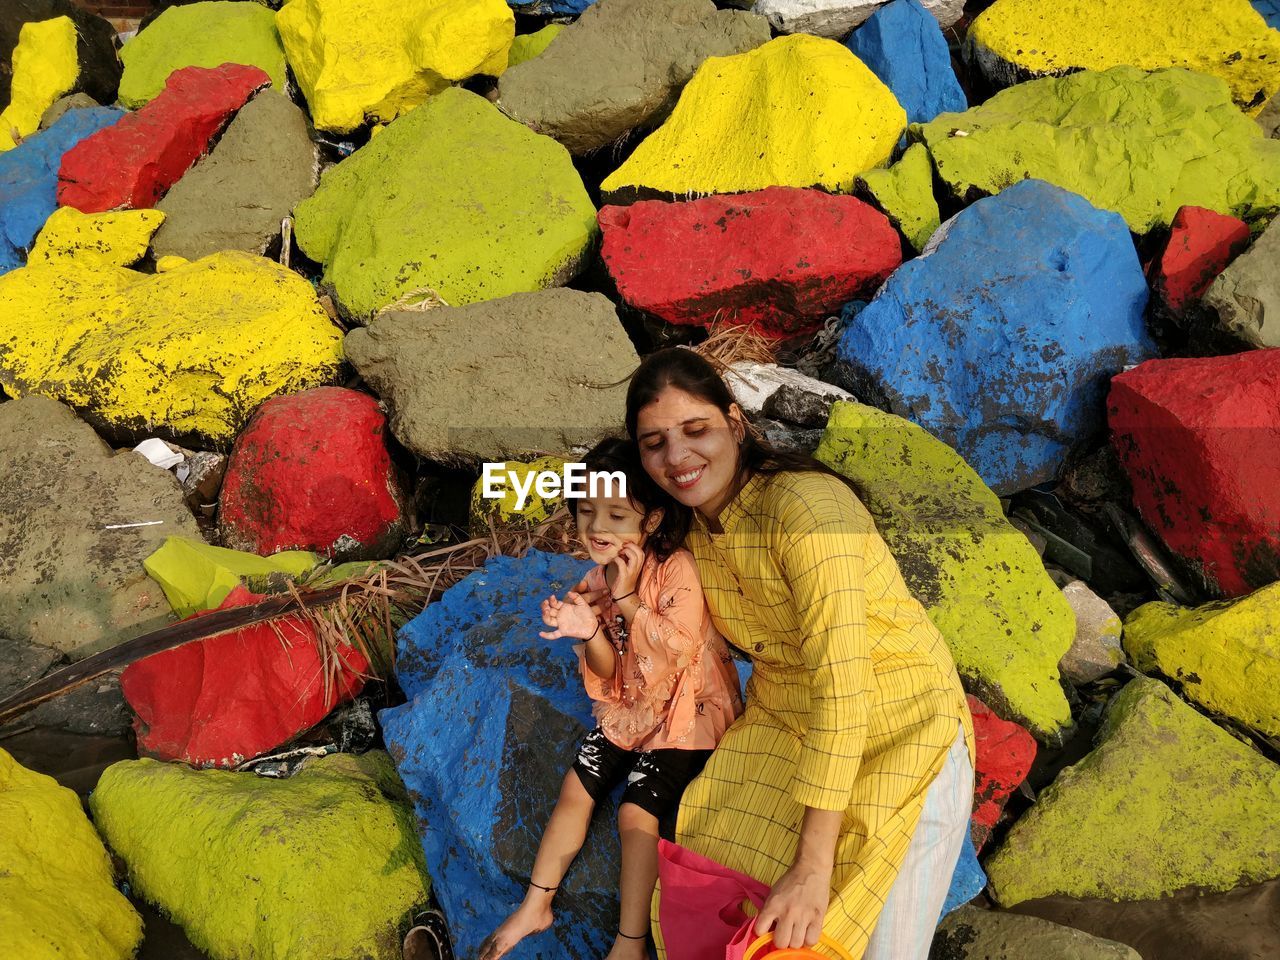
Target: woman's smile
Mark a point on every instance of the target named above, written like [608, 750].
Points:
[688, 478]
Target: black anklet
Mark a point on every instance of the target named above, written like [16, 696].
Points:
[643, 936]
[541, 887]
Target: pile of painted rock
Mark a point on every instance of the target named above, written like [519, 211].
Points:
[277, 278]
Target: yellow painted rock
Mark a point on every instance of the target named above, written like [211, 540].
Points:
[529, 45]
[117, 238]
[172, 262]
[197, 576]
[502, 510]
[376, 59]
[798, 111]
[1016, 39]
[58, 900]
[44, 68]
[187, 354]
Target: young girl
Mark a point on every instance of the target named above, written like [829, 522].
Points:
[664, 687]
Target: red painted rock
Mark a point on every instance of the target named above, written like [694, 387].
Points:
[780, 259]
[133, 162]
[1201, 244]
[1200, 441]
[1005, 754]
[311, 471]
[221, 701]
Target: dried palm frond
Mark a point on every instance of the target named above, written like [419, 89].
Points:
[731, 343]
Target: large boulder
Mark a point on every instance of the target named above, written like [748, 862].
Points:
[980, 580]
[1044, 300]
[780, 260]
[904, 192]
[1166, 801]
[1123, 139]
[1201, 244]
[1013, 40]
[99, 73]
[119, 238]
[499, 393]
[1225, 656]
[44, 69]
[321, 865]
[797, 112]
[482, 689]
[1247, 290]
[509, 212]
[1005, 752]
[134, 162]
[71, 574]
[972, 933]
[58, 896]
[648, 50]
[188, 354]
[835, 18]
[359, 60]
[1197, 438]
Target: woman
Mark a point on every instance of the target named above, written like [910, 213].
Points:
[846, 786]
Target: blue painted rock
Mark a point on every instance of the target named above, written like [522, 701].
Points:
[968, 880]
[494, 716]
[904, 46]
[1270, 10]
[550, 8]
[1001, 340]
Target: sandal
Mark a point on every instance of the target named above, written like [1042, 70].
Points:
[428, 938]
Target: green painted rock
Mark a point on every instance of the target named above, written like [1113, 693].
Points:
[205, 34]
[1141, 144]
[971, 933]
[980, 580]
[452, 203]
[196, 576]
[904, 192]
[1167, 800]
[526, 46]
[1226, 656]
[325, 865]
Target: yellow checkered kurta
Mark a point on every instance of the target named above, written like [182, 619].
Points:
[853, 703]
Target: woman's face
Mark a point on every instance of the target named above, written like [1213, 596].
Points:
[690, 448]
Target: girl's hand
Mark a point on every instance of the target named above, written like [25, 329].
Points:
[796, 907]
[628, 563]
[571, 618]
[594, 598]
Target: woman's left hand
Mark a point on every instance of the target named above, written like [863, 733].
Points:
[796, 906]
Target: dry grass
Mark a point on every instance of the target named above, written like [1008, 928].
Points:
[731, 343]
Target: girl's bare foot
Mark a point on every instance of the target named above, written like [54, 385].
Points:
[532, 916]
[625, 948]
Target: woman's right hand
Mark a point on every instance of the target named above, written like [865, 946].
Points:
[572, 617]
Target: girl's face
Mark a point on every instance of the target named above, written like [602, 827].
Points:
[690, 448]
[606, 523]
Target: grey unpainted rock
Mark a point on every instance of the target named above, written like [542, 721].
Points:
[836, 18]
[73, 101]
[66, 582]
[1269, 118]
[971, 933]
[1096, 650]
[22, 662]
[621, 66]
[1248, 290]
[235, 198]
[783, 393]
[501, 379]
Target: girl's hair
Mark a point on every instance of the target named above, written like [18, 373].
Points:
[615, 454]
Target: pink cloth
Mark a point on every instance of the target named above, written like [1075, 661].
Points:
[700, 912]
[675, 686]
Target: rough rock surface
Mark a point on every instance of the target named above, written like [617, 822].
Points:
[904, 192]
[479, 692]
[1197, 438]
[501, 512]
[509, 212]
[551, 8]
[73, 101]
[1201, 244]
[1044, 301]
[116, 239]
[648, 49]
[99, 73]
[184, 354]
[22, 662]
[1096, 651]
[57, 893]
[782, 392]
[835, 18]
[234, 199]
[1016, 39]
[779, 260]
[982, 583]
[197, 576]
[1225, 656]
[498, 393]
[246, 864]
[133, 162]
[526, 46]
[737, 128]
[359, 60]
[1123, 139]
[1268, 117]
[1246, 295]
[44, 69]
[1005, 754]
[972, 933]
[312, 471]
[1167, 800]
[66, 582]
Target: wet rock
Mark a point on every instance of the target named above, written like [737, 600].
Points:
[980, 580]
[205, 846]
[1167, 800]
[23, 662]
[502, 512]
[736, 129]
[197, 576]
[206, 34]
[99, 72]
[904, 192]
[806, 401]
[972, 933]
[835, 18]
[73, 101]
[478, 173]
[1197, 439]
[1016, 39]
[184, 354]
[116, 239]
[526, 46]
[1225, 656]
[312, 471]
[57, 892]
[378, 59]
[778, 260]
[1005, 754]
[44, 69]
[1122, 139]
[532, 400]
[1201, 244]
[1095, 652]
[96, 709]
[134, 162]
[480, 692]
[1248, 290]
[648, 49]
[66, 581]
[1045, 300]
